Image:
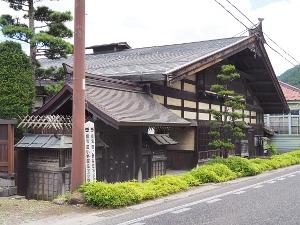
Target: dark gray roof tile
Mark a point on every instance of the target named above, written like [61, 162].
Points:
[149, 60]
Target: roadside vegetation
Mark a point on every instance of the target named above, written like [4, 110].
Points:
[115, 195]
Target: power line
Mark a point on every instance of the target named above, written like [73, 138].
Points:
[242, 32]
[243, 14]
[231, 14]
[240, 12]
[263, 32]
[281, 48]
[280, 55]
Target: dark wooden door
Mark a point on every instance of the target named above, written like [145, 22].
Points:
[3, 148]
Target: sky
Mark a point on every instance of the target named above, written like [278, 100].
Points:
[144, 23]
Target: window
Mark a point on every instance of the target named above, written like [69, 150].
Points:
[295, 125]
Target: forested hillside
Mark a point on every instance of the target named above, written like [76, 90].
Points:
[291, 76]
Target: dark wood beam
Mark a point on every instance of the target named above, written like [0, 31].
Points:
[271, 103]
[260, 82]
[265, 93]
[246, 75]
[256, 71]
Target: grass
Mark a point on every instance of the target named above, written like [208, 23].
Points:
[116, 195]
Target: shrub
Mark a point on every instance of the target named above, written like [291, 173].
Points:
[218, 170]
[111, 195]
[190, 179]
[167, 184]
[213, 173]
[272, 150]
[261, 164]
[295, 154]
[241, 166]
[283, 160]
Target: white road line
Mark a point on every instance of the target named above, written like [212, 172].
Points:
[131, 222]
[292, 175]
[214, 200]
[138, 224]
[281, 178]
[271, 182]
[258, 186]
[181, 210]
[239, 192]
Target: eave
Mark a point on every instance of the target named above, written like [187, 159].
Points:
[209, 60]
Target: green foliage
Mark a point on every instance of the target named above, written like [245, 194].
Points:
[115, 195]
[52, 73]
[291, 76]
[272, 150]
[53, 89]
[221, 144]
[167, 184]
[261, 164]
[241, 166]
[111, 195]
[43, 29]
[16, 84]
[227, 130]
[190, 179]
[213, 173]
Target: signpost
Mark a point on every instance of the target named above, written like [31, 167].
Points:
[90, 166]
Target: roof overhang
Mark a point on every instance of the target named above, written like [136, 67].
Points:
[45, 141]
[209, 59]
[252, 42]
[117, 106]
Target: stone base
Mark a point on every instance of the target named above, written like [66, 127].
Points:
[7, 187]
[8, 191]
[7, 182]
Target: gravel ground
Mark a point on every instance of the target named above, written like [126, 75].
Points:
[15, 211]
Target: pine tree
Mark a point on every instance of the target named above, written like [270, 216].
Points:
[227, 128]
[44, 31]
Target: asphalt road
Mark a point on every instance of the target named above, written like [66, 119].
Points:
[271, 198]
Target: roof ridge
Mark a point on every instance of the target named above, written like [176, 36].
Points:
[182, 43]
[290, 86]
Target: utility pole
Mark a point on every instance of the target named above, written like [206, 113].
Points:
[78, 114]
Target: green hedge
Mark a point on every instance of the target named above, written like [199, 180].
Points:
[115, 195]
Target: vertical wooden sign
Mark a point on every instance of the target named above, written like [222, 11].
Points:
[90, 167]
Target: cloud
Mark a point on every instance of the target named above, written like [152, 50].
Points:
[146, 23]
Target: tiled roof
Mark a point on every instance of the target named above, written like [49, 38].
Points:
[153, 61]
[45, 141]
[119, 103]
[290, 92]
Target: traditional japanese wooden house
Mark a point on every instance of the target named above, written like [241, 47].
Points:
[123, 112]
[178, 77]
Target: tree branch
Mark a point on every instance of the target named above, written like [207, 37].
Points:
[38, 27]
[19, 39]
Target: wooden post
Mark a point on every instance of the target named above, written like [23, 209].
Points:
[10, 150]
[78, 116]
